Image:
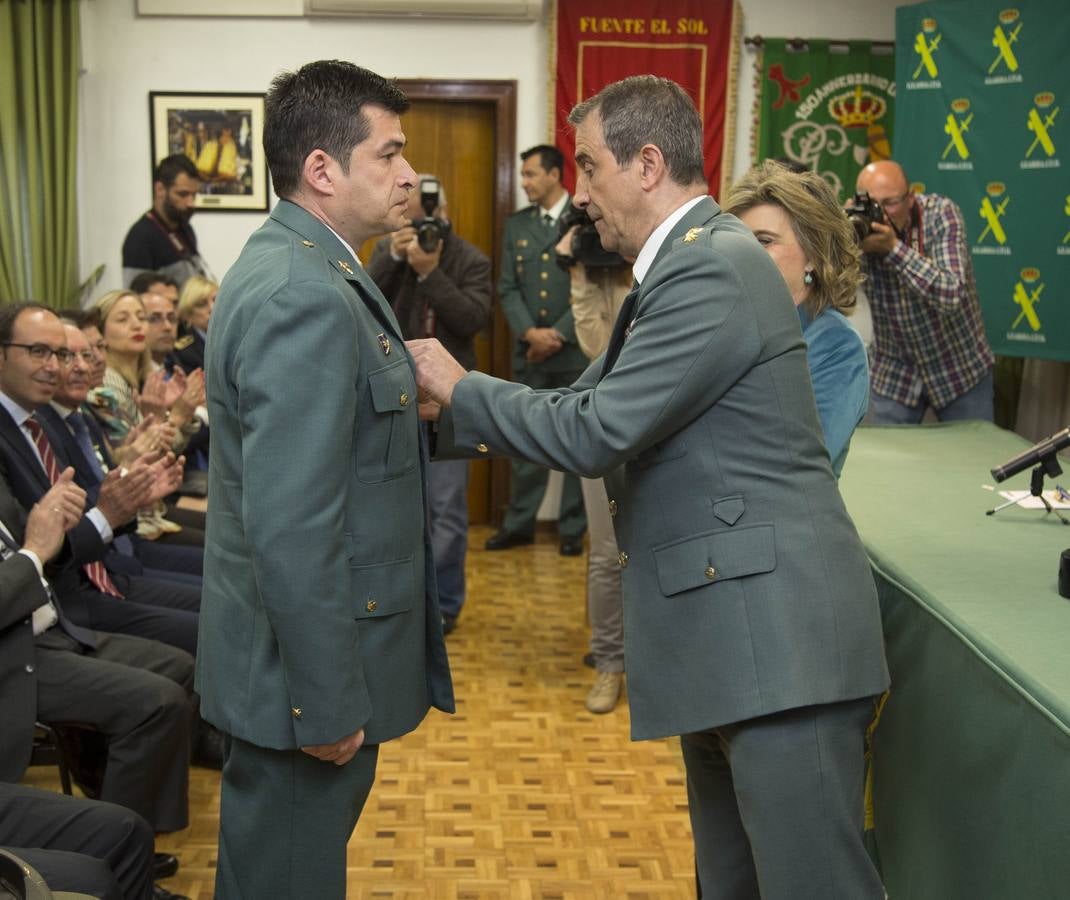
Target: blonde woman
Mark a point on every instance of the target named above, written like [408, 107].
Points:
[795, 216]
[119, 403]
[194, 310]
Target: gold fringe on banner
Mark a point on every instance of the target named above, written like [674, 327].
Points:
[728, 151]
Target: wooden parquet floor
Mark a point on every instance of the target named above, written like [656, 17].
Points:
[522, 794]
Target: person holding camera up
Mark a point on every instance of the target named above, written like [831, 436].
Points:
[438, 285]
[930, 348]
[534, 293]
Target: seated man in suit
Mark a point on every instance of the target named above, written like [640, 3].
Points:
[33, 350]
[135, 692]
[81, 846]
[80, 438]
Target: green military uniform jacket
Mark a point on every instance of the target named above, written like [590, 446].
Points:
[746, 588]
[534, 290]
[319, 614]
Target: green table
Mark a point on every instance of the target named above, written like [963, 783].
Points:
[971, 759]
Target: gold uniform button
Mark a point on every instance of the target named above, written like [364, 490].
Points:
[612, 507]
[711, 572]
[482, 448]
[622, 558]
[545, 257]
[372, 606]
[544, 275]
[403, 399]
[543, 295]
[544, 312]
[308, 243]
[297, 712]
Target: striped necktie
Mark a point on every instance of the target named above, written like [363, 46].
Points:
[94, 571]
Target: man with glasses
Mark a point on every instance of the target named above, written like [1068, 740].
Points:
[930, 349]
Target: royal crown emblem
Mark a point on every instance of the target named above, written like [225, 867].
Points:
[857, 108]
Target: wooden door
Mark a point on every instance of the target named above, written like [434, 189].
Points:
[463, 133]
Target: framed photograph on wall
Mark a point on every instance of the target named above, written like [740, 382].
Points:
[221, 134]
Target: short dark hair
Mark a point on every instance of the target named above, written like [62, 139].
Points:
[645, 109]
[321, 106]
[144, 280]
[549, 157]
[79, 318]
[170, 167]
[9, 312]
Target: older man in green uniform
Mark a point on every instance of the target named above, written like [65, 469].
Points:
[321, 635]
[534, 292]
[751, 625]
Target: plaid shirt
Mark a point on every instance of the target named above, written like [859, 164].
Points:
[929, 338]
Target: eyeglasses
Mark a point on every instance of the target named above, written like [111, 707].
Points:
[157, 318]
[892, 202]
[87, 356]
[42, 353]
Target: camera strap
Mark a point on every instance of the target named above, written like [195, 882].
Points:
[428, 320]
[913, 236]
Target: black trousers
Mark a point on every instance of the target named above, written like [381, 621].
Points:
[82, 846]
[137, 693]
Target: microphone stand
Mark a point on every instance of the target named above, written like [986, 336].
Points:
[1048, 465]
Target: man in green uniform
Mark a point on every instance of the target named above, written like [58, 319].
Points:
[321, 633]
[534, 292]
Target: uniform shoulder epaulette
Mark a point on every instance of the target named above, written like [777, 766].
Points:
[183, 342]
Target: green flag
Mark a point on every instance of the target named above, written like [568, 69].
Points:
[827, 106]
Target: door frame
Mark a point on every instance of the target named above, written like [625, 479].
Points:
[501, 94]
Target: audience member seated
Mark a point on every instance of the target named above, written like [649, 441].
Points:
[194, 310]
[795, 216]
[75, 430]
[160, 297]
[129, 391]
[81, 846]
[135, 692]
[32, 352]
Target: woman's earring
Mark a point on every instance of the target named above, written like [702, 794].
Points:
[808, 276]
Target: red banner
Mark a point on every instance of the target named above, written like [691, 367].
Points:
[693, 42]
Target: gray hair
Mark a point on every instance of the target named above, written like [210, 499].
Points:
[645, 109]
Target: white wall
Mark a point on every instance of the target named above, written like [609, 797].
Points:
[124, 57]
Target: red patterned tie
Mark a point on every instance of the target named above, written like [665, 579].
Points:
[94, 571]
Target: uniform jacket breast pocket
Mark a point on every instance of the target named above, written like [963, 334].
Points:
[387, 443]
[714, 556]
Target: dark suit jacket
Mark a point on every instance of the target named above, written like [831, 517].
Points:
[746, 588]
[189, 349]
[21, 592]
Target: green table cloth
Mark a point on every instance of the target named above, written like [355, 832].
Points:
[971, 759]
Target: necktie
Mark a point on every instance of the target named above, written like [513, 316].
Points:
[620, 330]
[547, 220]
[94, 571]
[81, 435]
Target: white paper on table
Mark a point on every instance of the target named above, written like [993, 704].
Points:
[1027, 501]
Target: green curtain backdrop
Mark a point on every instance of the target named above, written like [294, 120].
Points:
[38, 150]
[826, 105]
[981, 84]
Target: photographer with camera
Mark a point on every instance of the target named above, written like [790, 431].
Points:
[598, 283]
[930, 348]
[438, 285]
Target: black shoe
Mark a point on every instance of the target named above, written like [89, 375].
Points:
[448, 623]
[588, 660]
[161, 893]
[571, 546]
[208, 748]
[164, 865]
[503, 540]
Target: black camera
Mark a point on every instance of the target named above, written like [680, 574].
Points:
[430, 230]
[586, 246]
[862, 212]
